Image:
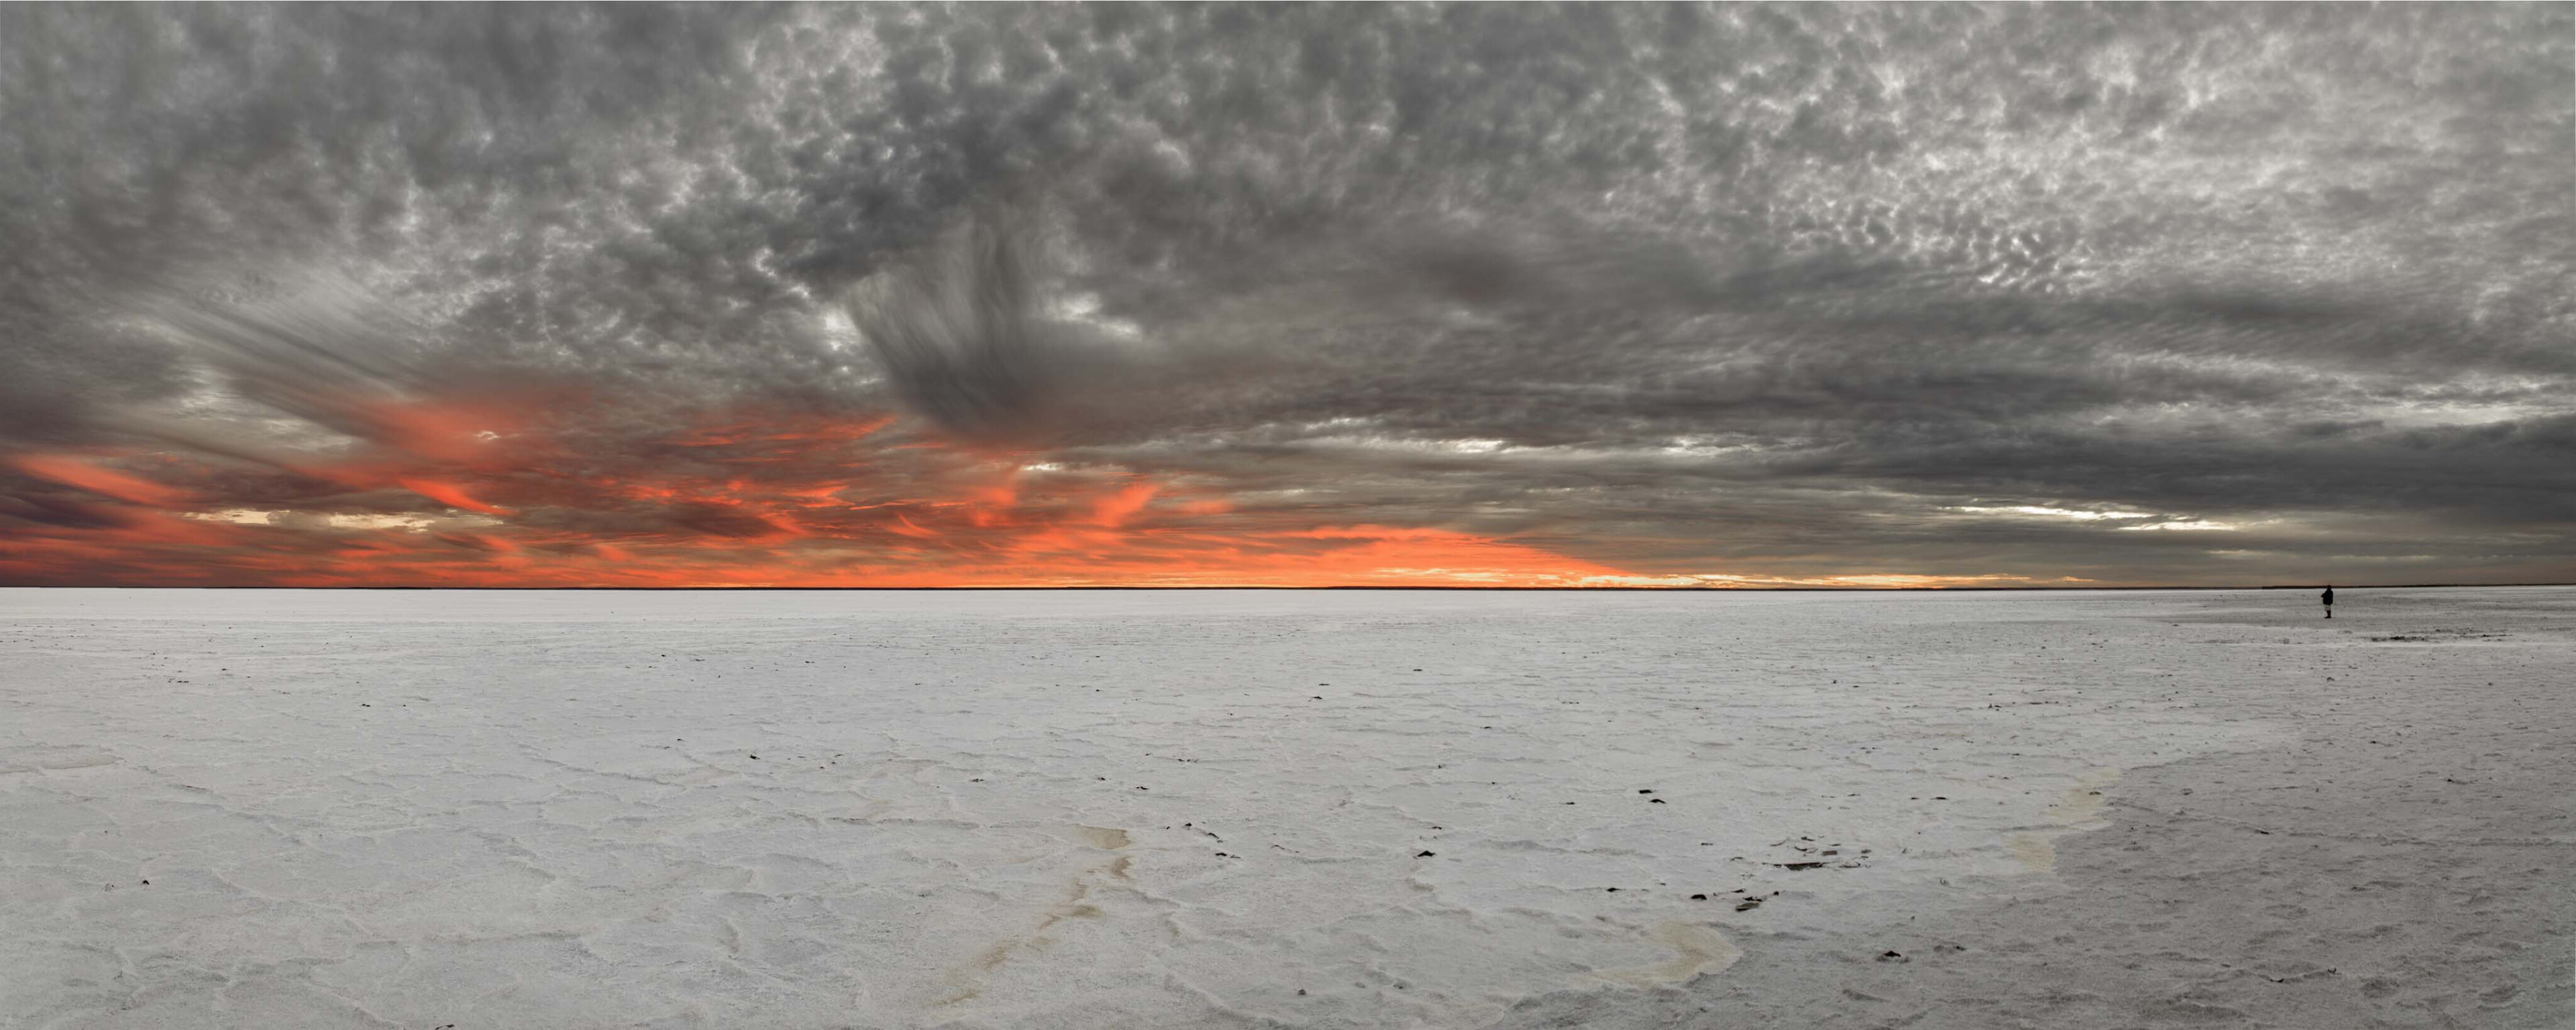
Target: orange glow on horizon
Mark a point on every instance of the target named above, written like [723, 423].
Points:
[802, 502]
[810, 502]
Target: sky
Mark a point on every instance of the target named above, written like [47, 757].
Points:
[998, 295]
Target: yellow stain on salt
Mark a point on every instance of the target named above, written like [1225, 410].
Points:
[2079, 809]
[1697, 949]
[963, 982]
[1101, 837]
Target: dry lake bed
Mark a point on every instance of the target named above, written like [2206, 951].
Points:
[1286, 809]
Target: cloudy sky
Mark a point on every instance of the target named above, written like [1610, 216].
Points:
[989, 295]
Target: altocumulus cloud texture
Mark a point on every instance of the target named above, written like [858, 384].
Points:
[897, 295]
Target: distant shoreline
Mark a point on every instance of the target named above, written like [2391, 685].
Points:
[1449, 589]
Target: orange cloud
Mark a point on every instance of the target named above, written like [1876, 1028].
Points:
[104, 482]
[812, 502]
[449, 494]
[1115, 509]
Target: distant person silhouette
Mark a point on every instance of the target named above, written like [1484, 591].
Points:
[2330, 601]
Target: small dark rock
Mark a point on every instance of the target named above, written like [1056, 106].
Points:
[1426, 854]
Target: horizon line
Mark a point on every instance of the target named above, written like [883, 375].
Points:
[1468, 589]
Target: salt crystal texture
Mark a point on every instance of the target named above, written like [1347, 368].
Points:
[543, 809]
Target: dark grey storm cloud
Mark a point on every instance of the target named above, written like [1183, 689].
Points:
[2204, 293]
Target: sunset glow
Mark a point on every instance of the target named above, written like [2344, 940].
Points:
[780, 506]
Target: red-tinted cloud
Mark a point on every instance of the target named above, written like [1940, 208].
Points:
[449, 494]
[459, 497]
[75, 472]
